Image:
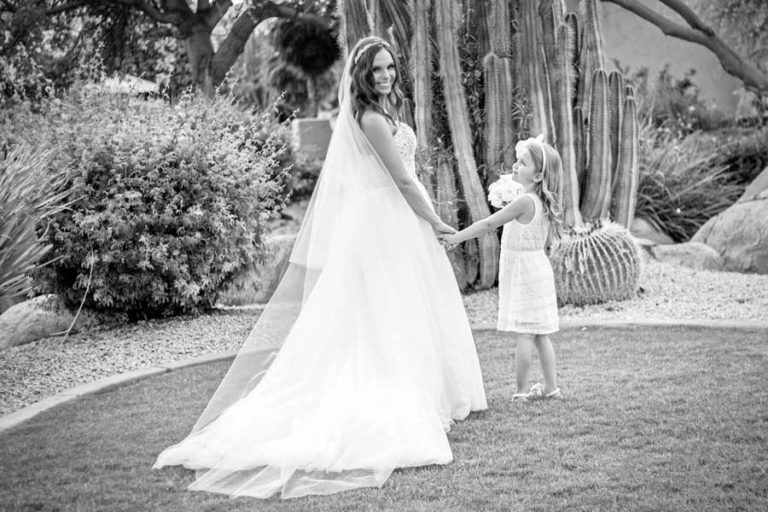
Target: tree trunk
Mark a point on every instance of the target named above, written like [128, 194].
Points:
[200, 53]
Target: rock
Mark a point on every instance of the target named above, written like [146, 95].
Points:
[740, 235]
[758, 189]
[647, 234]
[311, 136]
[693, 255]
[37, 318]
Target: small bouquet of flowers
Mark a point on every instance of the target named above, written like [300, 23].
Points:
[503, 191]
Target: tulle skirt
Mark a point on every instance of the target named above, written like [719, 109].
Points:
[378, 364]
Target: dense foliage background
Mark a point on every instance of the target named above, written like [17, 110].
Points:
[168, 200]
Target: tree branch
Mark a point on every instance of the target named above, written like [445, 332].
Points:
[214, 15]
[699, 33]
[232, 46]
[690, 17]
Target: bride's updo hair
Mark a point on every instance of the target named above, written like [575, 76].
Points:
[363, 89]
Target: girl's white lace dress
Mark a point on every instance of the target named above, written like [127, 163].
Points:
[527, 299]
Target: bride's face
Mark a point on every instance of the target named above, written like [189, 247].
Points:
[384, 74]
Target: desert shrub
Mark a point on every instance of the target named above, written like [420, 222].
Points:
[684, 181]
[168, 200]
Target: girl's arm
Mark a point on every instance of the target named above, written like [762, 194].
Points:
[377, 130]
[513, 210]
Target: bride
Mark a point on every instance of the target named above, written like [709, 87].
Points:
[364, 356]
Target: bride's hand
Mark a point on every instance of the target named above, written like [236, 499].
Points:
[442, 228]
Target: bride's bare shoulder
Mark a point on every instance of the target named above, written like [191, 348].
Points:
[373, 122]
[371, 118]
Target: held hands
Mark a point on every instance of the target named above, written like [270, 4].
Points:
[443, 230]
[448, 240]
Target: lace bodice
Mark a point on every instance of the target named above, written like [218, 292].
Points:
[527, 237]
[405, 141]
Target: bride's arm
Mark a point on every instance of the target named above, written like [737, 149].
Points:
[377, 130]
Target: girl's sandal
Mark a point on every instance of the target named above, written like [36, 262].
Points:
[537, 393]
[554, 395]
[520, 397]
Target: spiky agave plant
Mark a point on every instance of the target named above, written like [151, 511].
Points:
[29, 194]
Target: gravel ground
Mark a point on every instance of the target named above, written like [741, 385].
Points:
[668, 293]
[31, 372]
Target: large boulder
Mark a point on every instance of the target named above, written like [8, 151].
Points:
[740, 233]
[693, 255]
[758, 189]
[38, 318]
[646, 233]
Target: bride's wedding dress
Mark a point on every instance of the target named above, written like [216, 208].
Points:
[360, 362]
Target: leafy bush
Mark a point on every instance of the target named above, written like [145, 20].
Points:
[304, 174]
[21, 78]
[168, 200]
[29, 194]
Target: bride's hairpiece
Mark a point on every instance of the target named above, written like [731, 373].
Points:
[364, 49]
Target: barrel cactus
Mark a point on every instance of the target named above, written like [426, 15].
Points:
[596, 265]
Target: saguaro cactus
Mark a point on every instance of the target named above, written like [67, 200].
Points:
[447, 24]
[599, 261]
[499, 92]
[550, 62]
[627, 167]
[597, 175]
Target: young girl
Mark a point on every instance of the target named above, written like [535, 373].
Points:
[527, 301]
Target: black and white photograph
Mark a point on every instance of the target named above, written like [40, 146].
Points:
[383, 255]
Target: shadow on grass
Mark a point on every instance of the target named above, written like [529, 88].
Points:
[656, 418]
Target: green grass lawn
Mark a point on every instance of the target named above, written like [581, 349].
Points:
[655, 418]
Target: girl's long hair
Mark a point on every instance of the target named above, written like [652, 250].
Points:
[364, 95]
[549, 189]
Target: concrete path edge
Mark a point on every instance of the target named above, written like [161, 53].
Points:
[15, 418]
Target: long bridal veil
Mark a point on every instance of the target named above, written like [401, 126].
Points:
[363, 377]
[351, 177]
